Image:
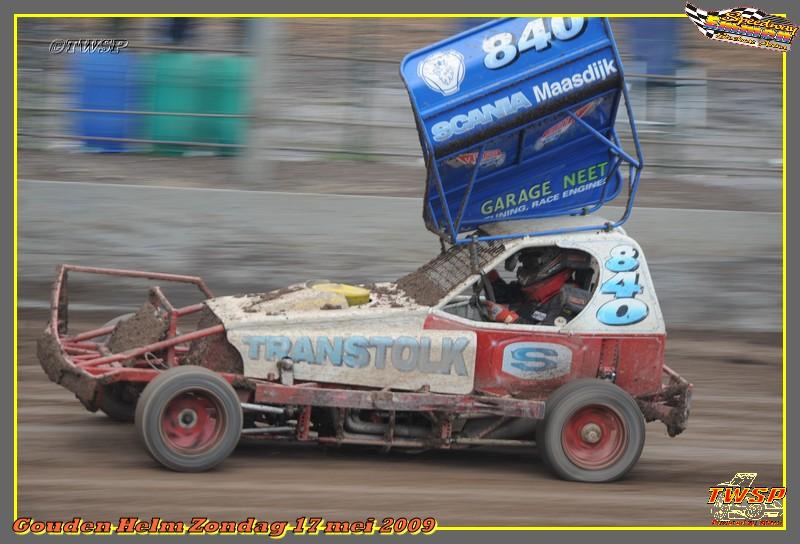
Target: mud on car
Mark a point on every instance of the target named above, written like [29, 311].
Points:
[537, 326]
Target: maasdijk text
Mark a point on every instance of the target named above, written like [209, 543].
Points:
[202, 525]
[544, 92]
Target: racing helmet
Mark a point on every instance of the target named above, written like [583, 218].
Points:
[543, 272]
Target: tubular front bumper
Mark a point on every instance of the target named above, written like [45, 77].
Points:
[83, 365]
[61, 370]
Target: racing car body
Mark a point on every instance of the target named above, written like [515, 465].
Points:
[537, 324]
[425, 331]
[415, 365]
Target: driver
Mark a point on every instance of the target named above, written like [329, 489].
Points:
[546, 287]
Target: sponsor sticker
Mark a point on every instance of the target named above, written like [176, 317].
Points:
[553, 133]
[541, 193]
[442, 361]
[404, 353]
[491, 158]
[536, 360]
[506, 106]
[443, 71]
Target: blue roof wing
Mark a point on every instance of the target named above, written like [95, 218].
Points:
[516, 121]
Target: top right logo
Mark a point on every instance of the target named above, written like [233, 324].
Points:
[744, 26]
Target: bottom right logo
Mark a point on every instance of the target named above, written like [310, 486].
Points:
[739, 502]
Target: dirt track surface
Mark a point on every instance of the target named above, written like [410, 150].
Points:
[674, 190]
[72, 462]
[716, 269]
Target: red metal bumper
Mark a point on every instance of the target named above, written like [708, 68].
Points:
[81, 364]
[671, 405]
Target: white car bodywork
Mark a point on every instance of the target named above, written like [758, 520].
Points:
[384, 343]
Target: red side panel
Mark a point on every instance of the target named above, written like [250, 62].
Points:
[636, 361]
[641, 361]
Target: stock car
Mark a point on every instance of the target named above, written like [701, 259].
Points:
[517, 126]
[408, 364]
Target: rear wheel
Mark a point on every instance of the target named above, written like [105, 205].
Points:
[189, 419]
[593, 432]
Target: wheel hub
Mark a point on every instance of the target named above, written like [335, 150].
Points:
[591, 433]
[594, 437]
[187, 418]
[192, 421]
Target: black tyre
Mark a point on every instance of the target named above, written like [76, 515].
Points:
[189, 419]
[117, 402]
[593, 432]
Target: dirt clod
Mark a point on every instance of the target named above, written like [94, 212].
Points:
[277, 293]
[213, 352]
[144, 327]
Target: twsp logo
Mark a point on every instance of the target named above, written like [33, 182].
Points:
[536, 360]
[738, 502]
[443, 71]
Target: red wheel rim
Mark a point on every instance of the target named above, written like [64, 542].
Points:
[594, 437]
[192, 421]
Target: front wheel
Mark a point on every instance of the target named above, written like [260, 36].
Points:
[189, 419]
[593, 432]
[118, 402]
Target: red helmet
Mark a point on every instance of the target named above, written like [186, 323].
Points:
[545, 289]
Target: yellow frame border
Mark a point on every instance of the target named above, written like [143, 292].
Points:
[430, 16]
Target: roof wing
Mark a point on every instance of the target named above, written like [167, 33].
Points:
[516, 121]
